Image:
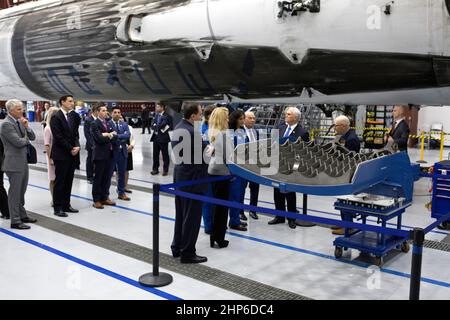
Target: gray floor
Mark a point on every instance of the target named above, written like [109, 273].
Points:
[58, 263]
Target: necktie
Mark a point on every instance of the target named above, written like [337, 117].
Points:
[288, 132]
[20, 129]
[394, 126]
[117, 126]
[158, 119]
[251, 135]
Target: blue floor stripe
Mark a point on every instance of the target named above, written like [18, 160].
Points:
[279, 245]
[91, 266]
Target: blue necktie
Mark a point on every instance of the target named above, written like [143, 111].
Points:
[288, 132]
[158, 119]
[20, 129]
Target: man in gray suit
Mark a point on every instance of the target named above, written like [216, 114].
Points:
[16, 135]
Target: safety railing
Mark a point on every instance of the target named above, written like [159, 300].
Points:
[417, 236]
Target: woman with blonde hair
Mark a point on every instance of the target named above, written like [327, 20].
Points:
[48, 141]
[217, 133]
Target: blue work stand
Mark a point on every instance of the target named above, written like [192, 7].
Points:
[377, 244]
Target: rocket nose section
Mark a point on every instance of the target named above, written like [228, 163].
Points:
[129, 30]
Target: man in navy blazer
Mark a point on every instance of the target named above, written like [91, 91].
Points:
[188, 212]
[89, 143]
[120, 151]
[347, 137]
[291, 129]
[162, 124]
[103, 134]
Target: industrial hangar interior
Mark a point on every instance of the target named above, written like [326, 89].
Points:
[152, 150]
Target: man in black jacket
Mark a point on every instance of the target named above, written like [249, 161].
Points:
[89, 143]
[161, 126]
[291, 129]
[65, 154]
[145, 117]
[4, 210]
[399, 134]
[188, 211]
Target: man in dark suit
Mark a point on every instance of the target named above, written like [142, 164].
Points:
[251, 136]
[3, 195]
[290, 130]
[188, 212]
[347, 137]
[89, 143]
[145, 117]
[65, 154]
[103, 134]
[161, 126]
[120, 151]
[399, 134]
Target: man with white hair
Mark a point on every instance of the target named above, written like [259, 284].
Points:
[348, 138]
[291, 129]
[16, 135]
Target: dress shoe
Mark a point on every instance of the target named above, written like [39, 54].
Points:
[253, 215]
[276, 220]
[20, 226]
[244, 224]
[193, 259]
[5, 217]
[124, 197]
[165, 174]
[175, 254]
[154, 173]
[90, 181]
[71, 210]
[61, 214]
[292, 224]
[243, 216]
[128, 191]
[238, 228]
[98, 205]
[221, 244]
[207, 231]
[28, 220]
[108, 203]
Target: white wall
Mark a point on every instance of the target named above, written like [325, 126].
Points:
[431, 115]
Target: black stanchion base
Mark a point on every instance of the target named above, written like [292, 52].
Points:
[304, 224]
[161, 280]
[444, 226]
[420, 161]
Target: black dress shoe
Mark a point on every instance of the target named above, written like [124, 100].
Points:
[5, 217]
[194, 259]
[20, 226]
[238, 228]
[221, 244]
[244, 224]
[71, 210]
[292, 224]
[253, 215]
[154, 173]
[276, 220]
[243, 216]
[176, 254]
[128, 191]
[29, 220]
[61, 214]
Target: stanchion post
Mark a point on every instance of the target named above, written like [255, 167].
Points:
[156, 278]
[441, 155]
[422, 148]
[302, 223]
[416, 264]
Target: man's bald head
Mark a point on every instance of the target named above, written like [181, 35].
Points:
[398, 112]
[341, 125]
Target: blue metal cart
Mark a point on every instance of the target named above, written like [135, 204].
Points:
[369, 242]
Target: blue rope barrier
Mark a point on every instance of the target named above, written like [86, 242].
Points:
[166, 187]
[435, 224]
[344, 224]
